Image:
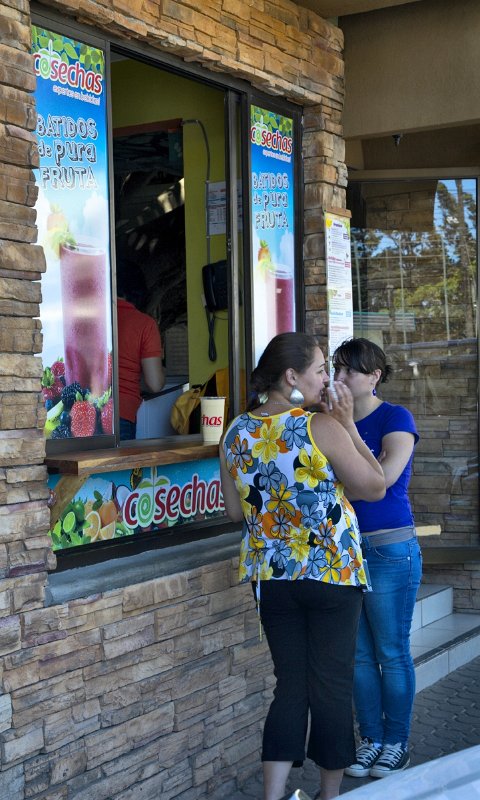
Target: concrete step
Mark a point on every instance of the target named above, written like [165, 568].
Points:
[441, 639]
[433, 603]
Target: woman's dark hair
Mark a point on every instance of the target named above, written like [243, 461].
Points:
[362, 355]
[296, 350]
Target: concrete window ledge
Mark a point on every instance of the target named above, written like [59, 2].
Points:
[116, 573]
[451, 554]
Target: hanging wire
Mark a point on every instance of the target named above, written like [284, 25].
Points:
[212, 350]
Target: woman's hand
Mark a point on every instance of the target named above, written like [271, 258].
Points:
[339, 404]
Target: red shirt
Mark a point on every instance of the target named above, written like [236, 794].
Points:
[138, 337]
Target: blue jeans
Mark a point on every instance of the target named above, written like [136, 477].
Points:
[384, 680]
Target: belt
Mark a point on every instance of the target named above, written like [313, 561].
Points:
[389, 536]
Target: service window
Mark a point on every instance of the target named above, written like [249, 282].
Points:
[136, 213]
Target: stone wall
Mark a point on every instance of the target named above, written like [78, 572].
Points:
[25, 552]
[159, 686]
[157, 689]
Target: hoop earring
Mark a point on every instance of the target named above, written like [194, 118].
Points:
[296, 397]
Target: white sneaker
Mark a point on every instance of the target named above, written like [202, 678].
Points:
[366, 756]
[393, 758]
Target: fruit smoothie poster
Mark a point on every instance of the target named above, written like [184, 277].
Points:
[272, 225]
[118, 504]
[73, 228]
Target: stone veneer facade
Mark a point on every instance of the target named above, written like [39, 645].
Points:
[158, 689]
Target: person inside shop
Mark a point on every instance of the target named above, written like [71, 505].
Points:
[384, 679]
[285, 473]
[139, 348]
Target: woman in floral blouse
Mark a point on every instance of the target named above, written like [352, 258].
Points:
[285, 473]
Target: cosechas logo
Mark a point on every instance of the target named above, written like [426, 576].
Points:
[261, 136]
[169, 501]
[49, 65]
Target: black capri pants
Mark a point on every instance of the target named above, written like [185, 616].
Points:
[311, 629]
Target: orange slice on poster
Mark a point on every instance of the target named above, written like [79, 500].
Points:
[108, 513]
[107, 532]
[92, 528]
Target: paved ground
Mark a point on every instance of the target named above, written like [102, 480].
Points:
[446, 718]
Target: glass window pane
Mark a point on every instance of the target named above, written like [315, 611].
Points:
[414, 267]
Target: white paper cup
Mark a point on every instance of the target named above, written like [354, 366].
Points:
[212, 419]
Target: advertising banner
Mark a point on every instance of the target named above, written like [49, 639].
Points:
[73, 228]
[339, 279]
[118, 504]
[272, 225]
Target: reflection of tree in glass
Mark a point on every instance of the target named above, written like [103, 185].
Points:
[365, 245]
[458, 221]
[431, 273]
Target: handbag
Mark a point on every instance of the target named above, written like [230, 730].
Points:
[183, 408]
[185, 412]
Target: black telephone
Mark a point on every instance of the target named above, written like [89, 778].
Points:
[215, 285]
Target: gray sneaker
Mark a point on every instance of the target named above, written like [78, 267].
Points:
[393, 758]
[366, 756]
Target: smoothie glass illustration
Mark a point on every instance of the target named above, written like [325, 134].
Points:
[280, 288]
[84, 284]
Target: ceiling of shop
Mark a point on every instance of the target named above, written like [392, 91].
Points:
[341, 8]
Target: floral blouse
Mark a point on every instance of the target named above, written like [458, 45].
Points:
[298, 522]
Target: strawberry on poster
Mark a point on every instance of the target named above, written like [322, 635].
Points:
[73, 228]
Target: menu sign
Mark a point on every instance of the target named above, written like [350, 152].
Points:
[339, 279]
[73, 228]
[272, 225]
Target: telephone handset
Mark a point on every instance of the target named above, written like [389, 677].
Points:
[214, 278]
